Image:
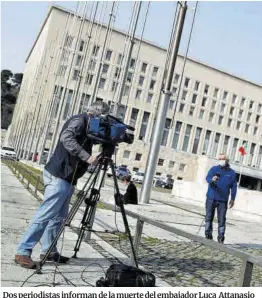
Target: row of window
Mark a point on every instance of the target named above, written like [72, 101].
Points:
[217, 93]
[171, 163]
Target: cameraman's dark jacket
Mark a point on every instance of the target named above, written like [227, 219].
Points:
[68, 161]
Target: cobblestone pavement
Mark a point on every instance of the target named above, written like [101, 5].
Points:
[187, 264]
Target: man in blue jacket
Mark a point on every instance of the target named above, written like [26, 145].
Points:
[222, 184]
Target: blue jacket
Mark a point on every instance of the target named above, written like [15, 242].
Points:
[220, 190]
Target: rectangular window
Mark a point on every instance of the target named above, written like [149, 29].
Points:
[191, 111]
[176, 134]
[196, 140]
[186, 138]
[117, 72]
[234, 149]
[240, 114]
[238, 125]
[220, 120]
[108, 55]
[144, 125]
[216, 144]
[251, 104]
[81, 46]
[231, 111]
[225, 94]
[119, 59]
[206, 141]
[257, 118]
[177, 76]
[184, 94]
[222, 108]
[201, 114]
[196, 86]
[259, 108]
[129, 77]
[61, 70]
[84, 103]
[160, 162]
[132, 63]
[249, 116]
[225, 146]
[75, 75]
[144, 67]
[242, 101]
[134, 114]
[65, 56]
[114, 86]
[204, 101]
[194, 98]
[68, 41]
[171, 164]
[152, 84]
[216, 93]
[57, 96]
[259, 159]
[211, 117]
[206, 89]
[102, 83]
[246, 128]
[251, 154]
[79, 60]
[181, 108]
[166, 132]
[138, 156]
[126, 154]
[89, 79]
[95, 50]
[229, 122]
[213, 105]
[149, 97]
[187, 80]
[155, 71]
[141, 81]
[91, 65]
[138, 94]
[182, 167]
[234, 99]
[171, 104]
[126, 90]
[105, 68]
[68, 104]
[255, 130]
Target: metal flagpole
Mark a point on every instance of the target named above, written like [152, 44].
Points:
[159, 126]
[164, 101]
[127, 61]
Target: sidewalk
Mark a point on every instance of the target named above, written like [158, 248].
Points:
[18, 207]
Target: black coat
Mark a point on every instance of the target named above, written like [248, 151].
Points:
[130, 197]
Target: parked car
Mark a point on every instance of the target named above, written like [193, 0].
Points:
[121, 172]
[8, 152]
[165, 183]
[138, 177]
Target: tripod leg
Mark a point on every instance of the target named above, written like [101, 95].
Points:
[122, 209]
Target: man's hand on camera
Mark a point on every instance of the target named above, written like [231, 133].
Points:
[214, 179]
[231, 203]
[92, 160]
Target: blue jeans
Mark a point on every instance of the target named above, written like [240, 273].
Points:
[50, 215]
[211, 206]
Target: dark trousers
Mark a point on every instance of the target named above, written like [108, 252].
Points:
[211, 206]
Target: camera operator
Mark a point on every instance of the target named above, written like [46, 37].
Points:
[221, 181]
[69, 162]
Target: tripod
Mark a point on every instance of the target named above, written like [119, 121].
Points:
[90, 195]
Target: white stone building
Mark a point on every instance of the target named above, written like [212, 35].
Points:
[216, 111]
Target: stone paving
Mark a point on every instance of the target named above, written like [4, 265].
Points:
[175, 260]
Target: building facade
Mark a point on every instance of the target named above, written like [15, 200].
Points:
[213, 112]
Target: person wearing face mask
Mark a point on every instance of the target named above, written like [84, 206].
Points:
[222, 185]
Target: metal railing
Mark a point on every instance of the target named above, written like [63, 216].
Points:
[248, 260]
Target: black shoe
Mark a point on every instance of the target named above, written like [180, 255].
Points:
[209, 236]
[56, 257]
[221, 239]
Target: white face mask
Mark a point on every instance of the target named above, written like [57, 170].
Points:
[222, 163]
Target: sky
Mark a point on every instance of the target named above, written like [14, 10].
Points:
[226, 35]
